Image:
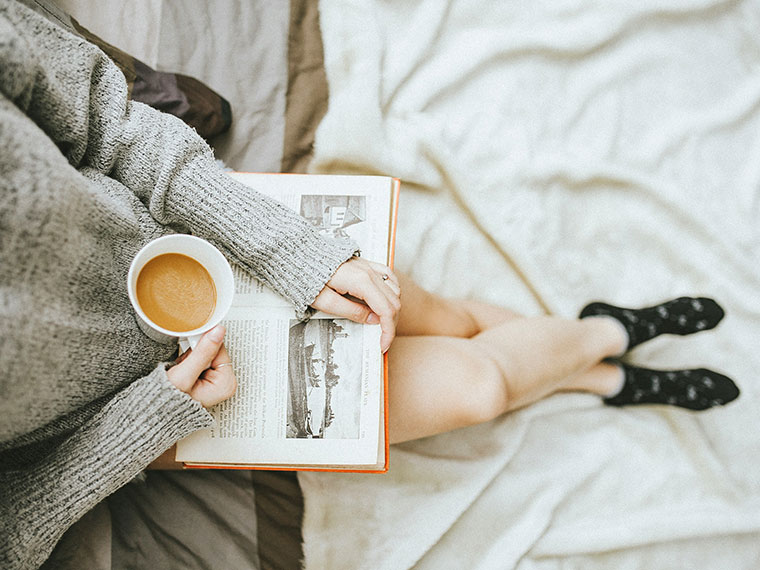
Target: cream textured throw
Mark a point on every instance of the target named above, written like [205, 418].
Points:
[554, 153]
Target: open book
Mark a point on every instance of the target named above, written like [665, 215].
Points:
[311, 395]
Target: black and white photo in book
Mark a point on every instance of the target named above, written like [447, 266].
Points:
[337, 216]
[324, 379]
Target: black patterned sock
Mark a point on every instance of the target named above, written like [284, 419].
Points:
[682, 316]
[696, 389]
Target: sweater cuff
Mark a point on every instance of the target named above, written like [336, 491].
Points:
[263, 236]
[135, 427]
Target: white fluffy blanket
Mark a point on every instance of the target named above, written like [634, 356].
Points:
[555, 152]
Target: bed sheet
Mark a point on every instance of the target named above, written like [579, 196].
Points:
[553, 153]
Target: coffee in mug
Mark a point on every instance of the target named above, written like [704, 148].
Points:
[180, 287]
[176, 292]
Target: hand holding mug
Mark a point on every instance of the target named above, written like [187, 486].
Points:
[181, 288]
[205, 372]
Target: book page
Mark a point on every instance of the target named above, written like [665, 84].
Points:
[309, 393]
[355, 207]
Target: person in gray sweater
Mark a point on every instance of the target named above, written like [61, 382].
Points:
[87, 400]
[86, 179]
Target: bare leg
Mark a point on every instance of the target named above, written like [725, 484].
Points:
[604, 379]
[440, 383]
[424, 313]
[465, 362]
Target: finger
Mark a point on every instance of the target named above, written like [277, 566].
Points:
[363, 282]
[182, 356]
[214, 386]
[335, 304]
[222, 357]
[216, 370]
[368, 286]
[187, 372]
[217, 383]
[383, 303]
[388, 289]
[218, 388]
[388, 317]
[385, 270]
[359, 279]
[220, 374]
[393, 286]
[386, 274]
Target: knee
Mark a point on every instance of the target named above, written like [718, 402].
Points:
[485, 396]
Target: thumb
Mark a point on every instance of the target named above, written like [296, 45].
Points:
[199, 359]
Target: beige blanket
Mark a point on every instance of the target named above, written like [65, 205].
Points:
[551, 153]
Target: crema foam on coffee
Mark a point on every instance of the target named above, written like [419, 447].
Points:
[176, 292]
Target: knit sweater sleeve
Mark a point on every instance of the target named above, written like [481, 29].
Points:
[74, 93]
[38, 503]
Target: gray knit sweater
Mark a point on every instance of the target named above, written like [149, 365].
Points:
[86, 179]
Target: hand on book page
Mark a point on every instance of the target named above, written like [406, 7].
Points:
[373, 283]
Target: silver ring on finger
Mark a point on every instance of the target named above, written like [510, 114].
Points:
[218, 366]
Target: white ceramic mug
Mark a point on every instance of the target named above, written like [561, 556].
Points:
[205, 254]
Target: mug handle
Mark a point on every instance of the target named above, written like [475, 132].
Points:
[188, 342]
